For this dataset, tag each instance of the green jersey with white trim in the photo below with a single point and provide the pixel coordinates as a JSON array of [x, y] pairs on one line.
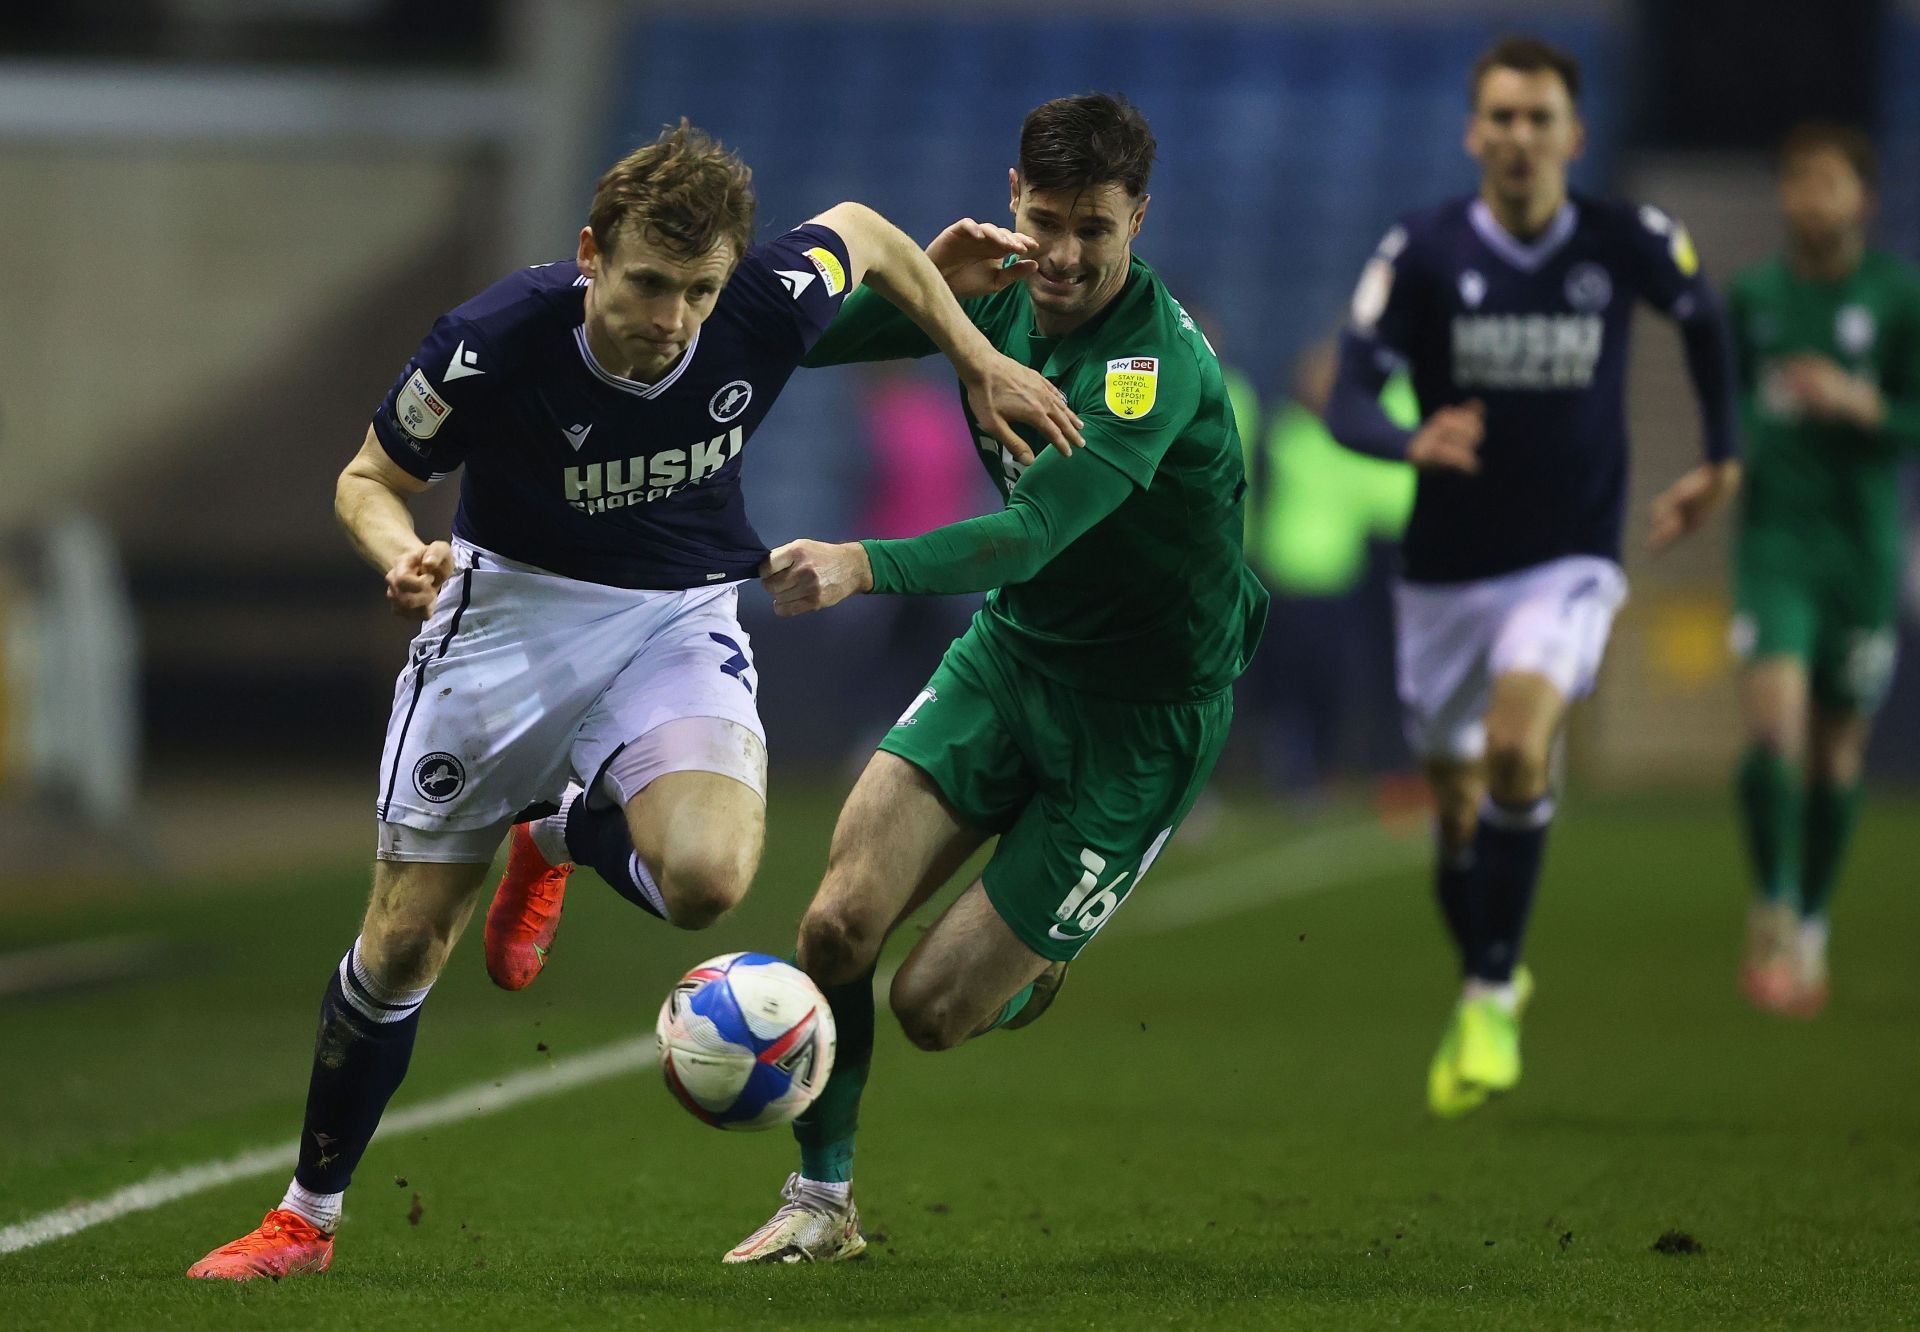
[[1824, 494], [1154, 602]]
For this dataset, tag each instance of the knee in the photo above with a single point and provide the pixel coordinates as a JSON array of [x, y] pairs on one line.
[[928, 1016], [837, 944], [1516, 768], [703, 885], [403, 948]]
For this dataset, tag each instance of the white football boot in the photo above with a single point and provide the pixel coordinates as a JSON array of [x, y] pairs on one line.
[[804, 1230]]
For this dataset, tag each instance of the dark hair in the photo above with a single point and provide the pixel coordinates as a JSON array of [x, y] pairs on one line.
[[1529, 55], [683, 191], [1818, 136], [1077, 142]]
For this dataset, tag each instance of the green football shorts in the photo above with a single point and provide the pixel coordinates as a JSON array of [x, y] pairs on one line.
[[1084, 791], [1827, 622]]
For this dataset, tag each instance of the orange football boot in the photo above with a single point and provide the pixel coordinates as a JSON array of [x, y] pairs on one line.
[[525, 914], [285, 1244]]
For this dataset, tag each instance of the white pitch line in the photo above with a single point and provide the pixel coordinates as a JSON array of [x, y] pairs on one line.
[[468, 1103], [1323, 859]]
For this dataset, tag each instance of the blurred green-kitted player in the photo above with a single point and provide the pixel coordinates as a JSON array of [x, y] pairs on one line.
[[1082, 713], [1829, 358]]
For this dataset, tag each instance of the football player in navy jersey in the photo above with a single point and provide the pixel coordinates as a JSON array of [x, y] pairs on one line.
[[1510, 308], [580, 644]]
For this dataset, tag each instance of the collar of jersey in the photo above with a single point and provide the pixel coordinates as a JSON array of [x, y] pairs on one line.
[[634, 386], [1527, 256], [1067, 351]]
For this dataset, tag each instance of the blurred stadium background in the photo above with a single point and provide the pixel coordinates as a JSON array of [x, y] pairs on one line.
[[229, 222]]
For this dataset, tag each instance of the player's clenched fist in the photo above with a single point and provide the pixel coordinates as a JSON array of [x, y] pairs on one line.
[[804, 576], [415, 578], [1450, 439]]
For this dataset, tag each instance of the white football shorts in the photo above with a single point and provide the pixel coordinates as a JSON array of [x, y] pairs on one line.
[[522, 680], [1453, 639]]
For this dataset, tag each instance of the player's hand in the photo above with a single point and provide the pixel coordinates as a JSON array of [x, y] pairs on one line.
[[1686, 504], [1449, 440], [970, 256], [1003, 393], [1827, 392], [415, 578], [807, 576]]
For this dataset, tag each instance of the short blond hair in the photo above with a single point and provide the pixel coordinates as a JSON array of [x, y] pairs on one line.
[[684, 192]]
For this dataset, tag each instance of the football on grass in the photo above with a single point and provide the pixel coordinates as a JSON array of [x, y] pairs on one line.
[[746, 1041]]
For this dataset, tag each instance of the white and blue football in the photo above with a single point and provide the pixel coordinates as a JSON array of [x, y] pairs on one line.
[[746, 1041]]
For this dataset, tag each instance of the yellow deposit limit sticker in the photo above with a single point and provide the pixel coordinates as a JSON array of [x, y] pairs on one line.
[[1132, 383]]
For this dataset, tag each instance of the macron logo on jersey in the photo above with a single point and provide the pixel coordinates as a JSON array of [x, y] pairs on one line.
[[795, 283], [464, 363]]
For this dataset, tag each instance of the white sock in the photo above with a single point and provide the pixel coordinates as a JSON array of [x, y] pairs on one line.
[[824, 1193], [550, 834], [1503, 993], [321, 1209]]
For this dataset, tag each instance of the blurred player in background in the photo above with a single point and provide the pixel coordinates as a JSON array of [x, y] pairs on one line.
[[581, 623], [1511, 309], [1080, 716], [1828, 334]]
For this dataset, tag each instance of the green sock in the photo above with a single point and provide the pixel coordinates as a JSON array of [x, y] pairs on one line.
[[1009, 1010], [1831, 812], [1771, 804], [825, 1132]]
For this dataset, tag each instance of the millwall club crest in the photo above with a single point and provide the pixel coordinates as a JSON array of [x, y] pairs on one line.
[[729, 400], [1854, 329], [439, 777], [1473, 289], [1588, 288]]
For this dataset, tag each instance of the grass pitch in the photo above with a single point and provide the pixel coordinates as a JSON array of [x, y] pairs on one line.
[[1219, 1124]]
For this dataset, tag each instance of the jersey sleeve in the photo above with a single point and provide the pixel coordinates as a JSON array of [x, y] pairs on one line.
[[438, 407], [1381, 313], [1666, 264], [1133, 409], [870, 328], [795, 283], [1055, 502]]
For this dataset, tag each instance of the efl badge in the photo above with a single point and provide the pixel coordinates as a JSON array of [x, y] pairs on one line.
[[830, 270], [1685, 257], [1132, 382], [418, 408]]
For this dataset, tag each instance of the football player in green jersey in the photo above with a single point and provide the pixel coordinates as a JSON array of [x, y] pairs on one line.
[[1080, 715], [1829, 358]]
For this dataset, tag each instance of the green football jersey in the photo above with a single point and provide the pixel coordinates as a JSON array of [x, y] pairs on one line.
[[1824, 493], [1155, 601]]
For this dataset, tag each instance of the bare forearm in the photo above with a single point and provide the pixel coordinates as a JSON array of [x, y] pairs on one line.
[[900, 271], [376, 520]]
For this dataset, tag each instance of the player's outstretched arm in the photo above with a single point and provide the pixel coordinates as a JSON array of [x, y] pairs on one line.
[[1056, 502], [1002, 393], [1448, 440], [370, 500]]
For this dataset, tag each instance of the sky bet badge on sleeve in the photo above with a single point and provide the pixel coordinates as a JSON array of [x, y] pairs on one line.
[[1132, 382], [828, 264], [419, 409]]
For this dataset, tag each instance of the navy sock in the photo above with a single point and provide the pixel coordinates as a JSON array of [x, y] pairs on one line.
[[599, 837], [1456, 880], [1509, 847], [360, 1057]]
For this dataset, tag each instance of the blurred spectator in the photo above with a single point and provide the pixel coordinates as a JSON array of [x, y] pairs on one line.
[[922, 472], [1320, 525]]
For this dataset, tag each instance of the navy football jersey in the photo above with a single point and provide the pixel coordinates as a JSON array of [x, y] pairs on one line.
[[1538, 332], [584, 473]]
